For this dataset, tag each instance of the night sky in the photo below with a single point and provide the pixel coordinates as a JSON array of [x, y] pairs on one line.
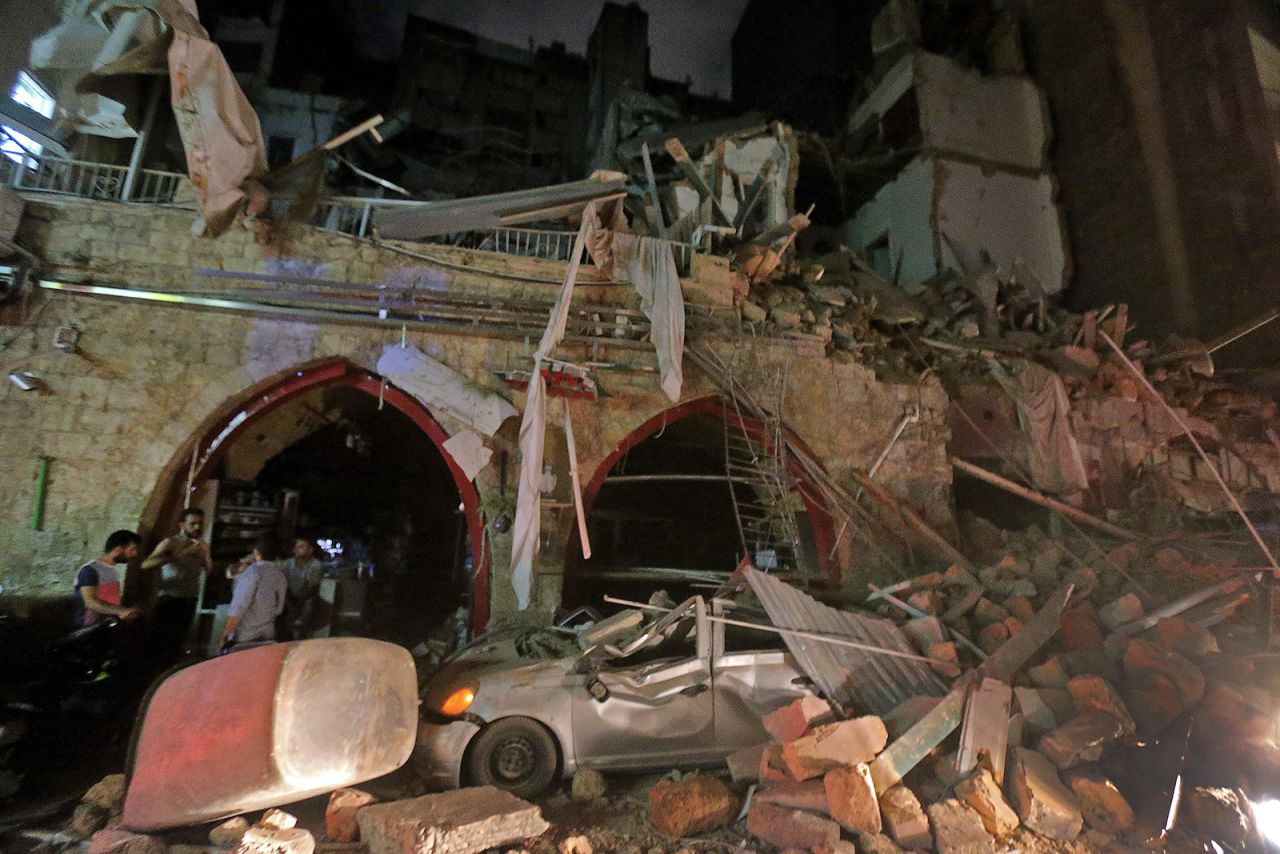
[[687, 39]]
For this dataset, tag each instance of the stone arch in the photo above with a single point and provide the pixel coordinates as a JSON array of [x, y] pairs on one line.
[[202, 451], [716, 406]]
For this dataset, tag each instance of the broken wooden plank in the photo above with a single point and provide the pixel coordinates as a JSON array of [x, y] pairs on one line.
[[686, 164], [984, 731], [1043, 500]]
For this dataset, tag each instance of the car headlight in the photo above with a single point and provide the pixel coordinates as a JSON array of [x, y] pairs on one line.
[[458, 702]]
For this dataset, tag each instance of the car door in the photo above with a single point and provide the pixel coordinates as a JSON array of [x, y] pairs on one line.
[[752, 674], [656, 708]]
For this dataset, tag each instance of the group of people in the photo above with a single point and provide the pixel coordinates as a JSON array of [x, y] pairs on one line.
[[271, 598]]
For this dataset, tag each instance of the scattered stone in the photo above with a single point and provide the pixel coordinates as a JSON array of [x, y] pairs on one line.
[[278, 820], [1020, 607], [457, 822], [117, 840], [340, 823], [1143, 657], [834, 745], [794, 719], [1035, 711], [1223, 815], [772, 768], [958, 829], [1236, 709], [744, 764], [791, 828], [841, 847], [1080, 629], [588, 784], [1101, 803], [1185, 637], [904, 818], [878, 843], [107, 793], [908, 713], [575, 845], [851, 798], [1038, 796], [1092, 661], [810, 795], [1094, 694], [982, 794], [1126, 609], [86, 820], [1080, 739], [992, 637], [230, 832], [751, 312], [1154, 701], [987, 612], [261, 839], [1050, 674], [944, 659], [695, 804], [924, 632]]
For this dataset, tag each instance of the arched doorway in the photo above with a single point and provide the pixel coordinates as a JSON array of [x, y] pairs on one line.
[[205, 456], [664, 499]]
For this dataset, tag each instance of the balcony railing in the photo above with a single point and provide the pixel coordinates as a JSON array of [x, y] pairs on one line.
[[83, 178]]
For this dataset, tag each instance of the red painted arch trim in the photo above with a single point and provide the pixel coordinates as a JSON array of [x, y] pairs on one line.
[[212, 445], [820, 519]]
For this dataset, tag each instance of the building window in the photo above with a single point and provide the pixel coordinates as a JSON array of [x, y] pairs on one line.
[[27, 92]]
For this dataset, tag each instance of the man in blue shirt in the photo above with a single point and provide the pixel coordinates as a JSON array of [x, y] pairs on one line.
[[257, 598]]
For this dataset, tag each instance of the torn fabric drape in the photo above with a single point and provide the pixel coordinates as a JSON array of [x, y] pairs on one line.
[[533, 425], [1044, 412], [443, 390], [650, 266]]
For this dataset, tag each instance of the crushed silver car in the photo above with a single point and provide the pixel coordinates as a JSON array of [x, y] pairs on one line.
[[516, 709]]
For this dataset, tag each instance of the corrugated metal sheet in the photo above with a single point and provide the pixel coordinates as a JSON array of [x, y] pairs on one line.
[[854, 679]]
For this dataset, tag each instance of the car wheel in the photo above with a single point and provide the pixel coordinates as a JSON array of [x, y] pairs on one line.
[[515, 754]]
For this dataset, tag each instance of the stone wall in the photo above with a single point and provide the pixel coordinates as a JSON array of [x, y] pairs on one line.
[[149, 378]]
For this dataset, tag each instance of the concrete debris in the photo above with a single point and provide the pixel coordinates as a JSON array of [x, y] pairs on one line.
[[810, 795], [1080, 739], [1223, 815], [1092, 693], [1101, 803], [744, 765], [693, 805], [229, 833], [904, 819], [851, 799], [86, 820], [575, 845], [277, 820], [835, 745], [107, 794], [958, 829], [262, 839], [792, 720], [1041, 801], [982, 793], [791, 828], [589, 784], [457, 822], [117, 840], [340, 824], [878, 843]]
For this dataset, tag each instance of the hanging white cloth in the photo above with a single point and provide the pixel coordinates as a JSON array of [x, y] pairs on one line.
[[647, 262], [443, 390]]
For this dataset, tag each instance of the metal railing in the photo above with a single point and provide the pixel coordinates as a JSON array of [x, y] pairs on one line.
[[88, 180]]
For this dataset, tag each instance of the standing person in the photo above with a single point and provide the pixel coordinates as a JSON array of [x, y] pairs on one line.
[[98, 584], [257, 598], [303, 571], [181, 560]]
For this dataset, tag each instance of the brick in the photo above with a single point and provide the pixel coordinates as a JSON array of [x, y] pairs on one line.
[[878, 843], [833, 745], [791, 828], [1050, 674], [340, 814], [924, 600], [1080, 629], [458, 822], [1020, 607], [1043, 803], [924, 632], [794, 719], [1143, 657], [851, 798], [1101, 803], [981, 793], [1037, 715], [1126, 609], [810, 795], [1095, 661], [1153, 700], [957, 829], [904, 819], [1185, 637], [945, 659], [693, 805], [992, 637], [772, 768], [1094, 694], [987, 612], [1080, 739], [744, 764]]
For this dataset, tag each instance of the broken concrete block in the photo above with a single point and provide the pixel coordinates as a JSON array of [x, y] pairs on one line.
[[908, 713], [1126, 609], [1020, 607], [982, 794], [1153, 700], [794, 719], [924, 632], [904, 818], [924, 600], [230, 832], [834, 745], [1095, 661], [957, 829], [261, 839], [107, 793], [340, 814], [86, 820], [1224, 815], [772, 768], [1037, 715], [810, 795], [1101, 803], [992, 637], [575, 845], [1185, 637], [1094, 694], [1038, 796], [588, 784], [987, 612], [1080, 629], [1080, 739], [841, 847], [944, 659], [1050, 674], [1144, 656], [744, 764], [458, 822], [878, 843], [277, 820], [1238, 710], [791, 828], [851, 798], [693, 805]]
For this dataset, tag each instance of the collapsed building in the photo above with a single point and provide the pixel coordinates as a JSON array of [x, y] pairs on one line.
[[877, 402]]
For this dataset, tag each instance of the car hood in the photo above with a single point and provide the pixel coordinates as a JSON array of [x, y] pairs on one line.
[[507, 660]]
